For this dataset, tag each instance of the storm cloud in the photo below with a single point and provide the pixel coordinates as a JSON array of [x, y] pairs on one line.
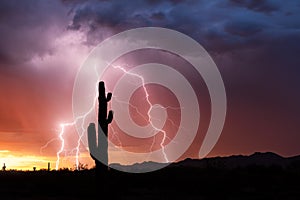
[[28, 29], [215, 24]]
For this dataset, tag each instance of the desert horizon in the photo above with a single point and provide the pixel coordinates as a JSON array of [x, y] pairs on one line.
[[85, 166]]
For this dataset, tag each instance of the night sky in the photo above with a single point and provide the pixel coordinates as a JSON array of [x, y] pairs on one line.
[[255, 45]]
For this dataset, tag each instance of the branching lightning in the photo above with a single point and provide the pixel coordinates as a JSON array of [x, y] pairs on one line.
[[62, 140], [115, 135], [149, 110], [77, 148], [47, 144], [61, 133]]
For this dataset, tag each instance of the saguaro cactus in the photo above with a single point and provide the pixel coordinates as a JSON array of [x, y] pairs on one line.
[[103, 118], [99, 149]]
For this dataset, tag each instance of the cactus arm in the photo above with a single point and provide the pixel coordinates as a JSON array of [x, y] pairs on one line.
[[92, 139], [108, 97], [110, 117]]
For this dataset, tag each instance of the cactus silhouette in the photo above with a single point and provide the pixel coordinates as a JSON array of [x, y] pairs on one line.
[[4, 167], [99, 149]]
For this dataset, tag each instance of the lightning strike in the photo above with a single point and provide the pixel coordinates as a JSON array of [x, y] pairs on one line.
[[148, 113], [62, 140], [62, 131], [47, 144], [115, 135]]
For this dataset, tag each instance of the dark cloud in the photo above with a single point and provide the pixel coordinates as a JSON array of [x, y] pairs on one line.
[[28, 28], [114, 16], [243, 29], [160, 1], [219, 26], [266, 6], [158, 16]]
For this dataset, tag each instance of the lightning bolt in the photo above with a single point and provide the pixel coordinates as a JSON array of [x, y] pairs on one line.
[[115, 135], [47, 144], [148, 113], [81, 133], [81, 118], [62, 140], [61, 133]]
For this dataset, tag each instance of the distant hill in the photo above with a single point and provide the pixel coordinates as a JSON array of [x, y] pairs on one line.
[[265, 159]]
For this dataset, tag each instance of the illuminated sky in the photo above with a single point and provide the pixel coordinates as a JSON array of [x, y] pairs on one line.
[[255, 45]]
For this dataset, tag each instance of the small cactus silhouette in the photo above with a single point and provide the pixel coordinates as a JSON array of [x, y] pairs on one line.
[[4, 167], [100, 148]]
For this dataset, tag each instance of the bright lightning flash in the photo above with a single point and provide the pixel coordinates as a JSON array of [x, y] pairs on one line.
[[81, 118], [148, 113], [62, 131]]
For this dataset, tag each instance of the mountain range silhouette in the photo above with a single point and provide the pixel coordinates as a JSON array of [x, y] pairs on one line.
[[263, 159]]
